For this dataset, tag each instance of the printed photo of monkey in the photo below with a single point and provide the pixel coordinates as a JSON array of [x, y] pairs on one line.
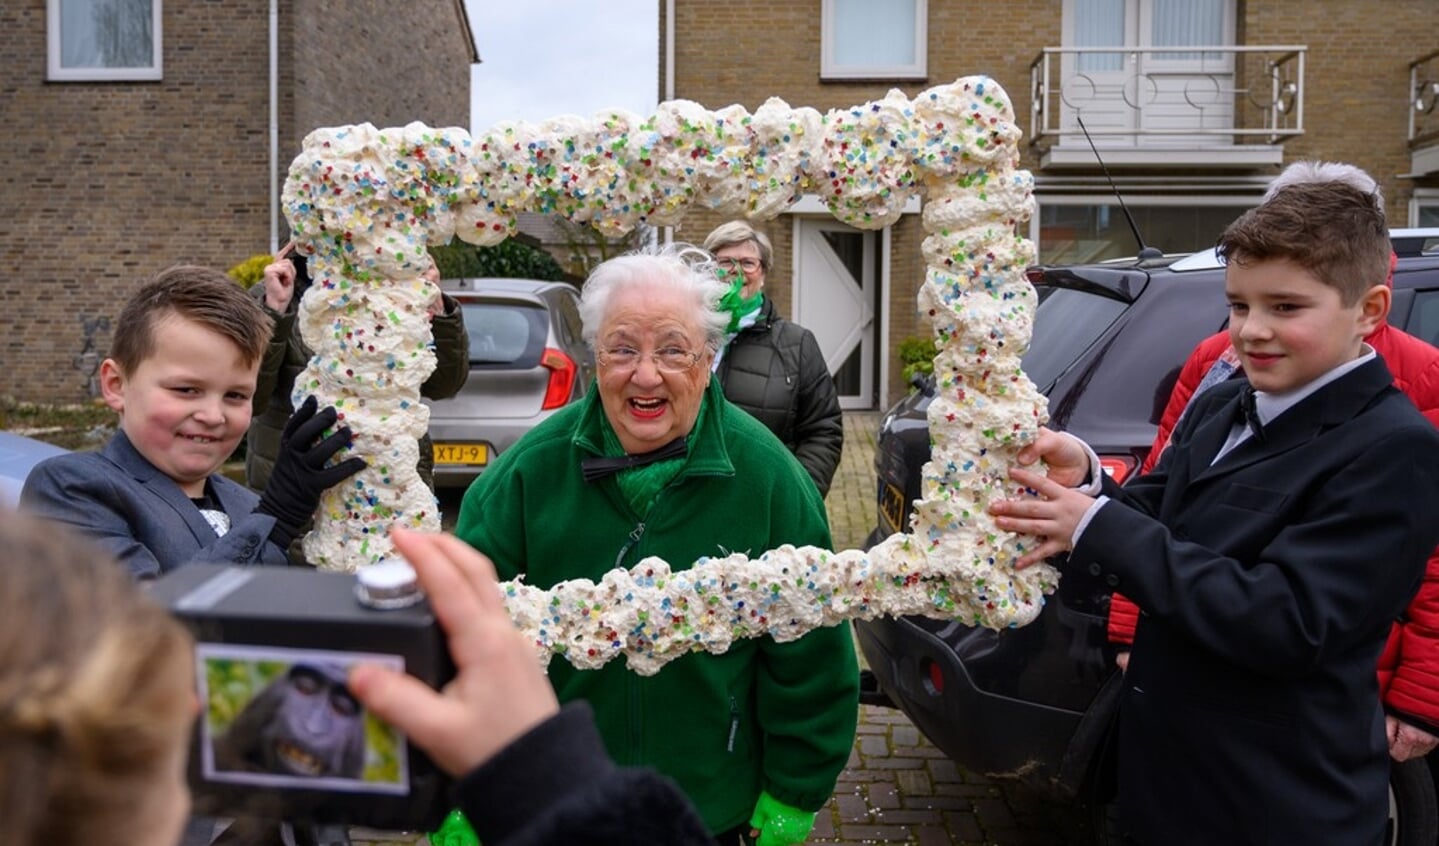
[[281, 717]]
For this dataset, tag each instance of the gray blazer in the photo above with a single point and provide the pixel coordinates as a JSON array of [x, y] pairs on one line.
[[139, 515]]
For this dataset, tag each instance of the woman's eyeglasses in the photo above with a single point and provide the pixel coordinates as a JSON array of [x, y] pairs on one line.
[[748, 265], [666, 359]]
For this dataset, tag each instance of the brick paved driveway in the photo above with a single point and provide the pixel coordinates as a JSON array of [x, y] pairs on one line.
[[897, 787]]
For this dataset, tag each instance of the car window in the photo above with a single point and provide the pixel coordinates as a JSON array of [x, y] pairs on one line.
[[1066, 322], [570, 317], [505, 333], [1424, 318]]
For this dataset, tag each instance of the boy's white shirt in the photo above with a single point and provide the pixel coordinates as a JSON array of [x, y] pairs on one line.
[[1268, 406]]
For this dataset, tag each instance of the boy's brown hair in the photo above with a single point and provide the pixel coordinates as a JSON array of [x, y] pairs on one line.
[[200, 295], [96, 689], [1331, 229]]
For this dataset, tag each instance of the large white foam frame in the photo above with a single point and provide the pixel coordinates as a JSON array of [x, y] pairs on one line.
[[364, 203]]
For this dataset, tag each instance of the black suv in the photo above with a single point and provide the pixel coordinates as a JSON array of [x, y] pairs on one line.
[[1037, 703]]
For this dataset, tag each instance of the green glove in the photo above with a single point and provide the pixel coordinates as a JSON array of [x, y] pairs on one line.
[[455, 831], [778, 824]]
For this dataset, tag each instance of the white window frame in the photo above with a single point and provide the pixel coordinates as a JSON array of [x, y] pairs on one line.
[[1240, 199], [1423, 197], [55, 72], [830, 69]]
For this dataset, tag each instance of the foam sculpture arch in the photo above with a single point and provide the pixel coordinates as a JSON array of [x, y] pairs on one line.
[[364, 202]]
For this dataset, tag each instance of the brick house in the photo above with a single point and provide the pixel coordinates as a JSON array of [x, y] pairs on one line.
[[139, 134], [1191, 137]]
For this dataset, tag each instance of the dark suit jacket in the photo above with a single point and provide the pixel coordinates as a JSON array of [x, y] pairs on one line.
[[141, 516], [1268, 583]]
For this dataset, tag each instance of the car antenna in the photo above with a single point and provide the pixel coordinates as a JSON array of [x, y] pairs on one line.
[[1145, 252]]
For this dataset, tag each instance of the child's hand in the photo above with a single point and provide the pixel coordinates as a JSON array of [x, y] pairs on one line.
[[1406, 741], [280, 280], [1052, 517], [1064, 454], [303, 471], [499, 691]]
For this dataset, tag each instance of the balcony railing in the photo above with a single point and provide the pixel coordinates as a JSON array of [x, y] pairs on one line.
[[1168, 96], [1423, 94]]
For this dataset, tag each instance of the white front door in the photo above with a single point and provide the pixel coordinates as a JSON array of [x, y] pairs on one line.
[[836, 298]]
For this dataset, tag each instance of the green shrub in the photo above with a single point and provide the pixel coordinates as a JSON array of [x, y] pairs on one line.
[[917, 356], [510, 259], [251, 270]]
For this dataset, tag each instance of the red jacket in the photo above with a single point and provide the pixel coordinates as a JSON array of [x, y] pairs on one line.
[[1409, 665]]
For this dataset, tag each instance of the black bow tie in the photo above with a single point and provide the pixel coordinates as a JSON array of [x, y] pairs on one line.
[[596, 467], [1250, 411]]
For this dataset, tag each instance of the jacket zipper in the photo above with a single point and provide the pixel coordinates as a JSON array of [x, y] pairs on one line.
[[733, 723], [635, 534]]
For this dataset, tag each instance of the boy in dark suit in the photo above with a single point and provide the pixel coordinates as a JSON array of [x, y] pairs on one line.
[[181, 375], [1270, 549]]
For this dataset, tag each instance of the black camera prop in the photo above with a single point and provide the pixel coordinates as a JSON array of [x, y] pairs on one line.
[[280, 736]]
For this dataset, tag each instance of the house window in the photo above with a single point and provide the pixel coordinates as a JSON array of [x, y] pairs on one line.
[[1127, 25], [1078, 230], [1424, 208], [104, 40], [1099, 23], [874, 39], [1185, 23]]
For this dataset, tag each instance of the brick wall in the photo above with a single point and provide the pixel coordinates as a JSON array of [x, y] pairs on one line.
[[106, 183], [1355, 81], [381, 62], [744, 51]]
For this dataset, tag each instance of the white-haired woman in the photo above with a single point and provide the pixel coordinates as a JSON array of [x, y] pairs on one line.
[[657, 463]]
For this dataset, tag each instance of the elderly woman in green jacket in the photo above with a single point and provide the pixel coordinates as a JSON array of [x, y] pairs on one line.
[[657, 462]]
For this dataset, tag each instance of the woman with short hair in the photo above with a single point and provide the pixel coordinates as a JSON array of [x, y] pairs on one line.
[[771, 367], [657, 462]]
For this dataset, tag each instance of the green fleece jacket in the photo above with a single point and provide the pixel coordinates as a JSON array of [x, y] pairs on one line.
[[763, 716]]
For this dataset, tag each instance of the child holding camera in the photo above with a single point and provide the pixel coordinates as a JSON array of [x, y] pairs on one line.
[[97, 701]]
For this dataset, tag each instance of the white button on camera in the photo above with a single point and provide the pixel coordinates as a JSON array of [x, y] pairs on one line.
[[387, 586]]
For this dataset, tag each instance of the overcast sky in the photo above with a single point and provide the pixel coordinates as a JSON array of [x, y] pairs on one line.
[[543, 58]]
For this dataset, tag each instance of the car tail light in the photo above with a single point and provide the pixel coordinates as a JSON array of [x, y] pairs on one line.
[[562, 377], [1118, 467], [936, 676]]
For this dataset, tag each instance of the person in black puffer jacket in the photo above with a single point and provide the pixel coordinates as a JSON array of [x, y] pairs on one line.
[[772, 367]]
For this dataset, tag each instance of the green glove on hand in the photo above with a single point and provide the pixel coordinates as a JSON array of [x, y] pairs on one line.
[[778, 824], [455, 831]]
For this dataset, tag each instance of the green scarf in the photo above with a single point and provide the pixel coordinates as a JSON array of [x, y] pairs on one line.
[[735, 304], [640, 485]]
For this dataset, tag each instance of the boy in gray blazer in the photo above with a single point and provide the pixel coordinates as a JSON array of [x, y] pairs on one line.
[[1269, 551], [181, 375]]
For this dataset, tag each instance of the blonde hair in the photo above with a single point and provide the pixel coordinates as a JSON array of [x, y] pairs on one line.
[[93, 677]]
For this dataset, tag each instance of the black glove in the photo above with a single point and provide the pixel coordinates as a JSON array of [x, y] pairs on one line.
[[300, 474]]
